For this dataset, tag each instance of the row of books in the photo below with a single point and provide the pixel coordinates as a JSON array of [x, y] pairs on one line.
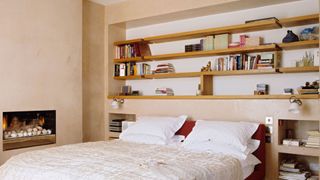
[[313, 139], [127, 51], [292, 169], [244, 62], [131, 69]]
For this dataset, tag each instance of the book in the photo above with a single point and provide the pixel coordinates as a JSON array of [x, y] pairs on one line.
[[221, 41], [291, 142]]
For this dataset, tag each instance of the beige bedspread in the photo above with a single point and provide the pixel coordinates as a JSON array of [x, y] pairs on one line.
[[119, 160]]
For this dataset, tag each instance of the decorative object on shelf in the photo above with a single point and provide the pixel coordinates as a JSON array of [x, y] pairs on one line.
[[207, 44], [234, 45], [199, 93], [206, 68], [126, 91], [262, 89], [116, 103], [164, 68], [312, 88], [288, 91], [135, 93], [193, 47], [291, 142], [243, 40], [310, 33], [307, 60], [221, 41], [164, 92], [289, 133], [313, 140], [290, 37], [253, 41], [295, 104]]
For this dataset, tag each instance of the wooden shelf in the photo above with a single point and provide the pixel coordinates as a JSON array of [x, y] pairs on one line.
[[262, 48], [114, 134], [241, 28], [300, 20], [198, 74], [299, 150], [131, 41], [134, 59], [224, 97], [127, 77], [173, 75], [299, 45], [299, 69]]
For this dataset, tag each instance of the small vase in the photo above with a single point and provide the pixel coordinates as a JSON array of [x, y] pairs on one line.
[[290, 37]]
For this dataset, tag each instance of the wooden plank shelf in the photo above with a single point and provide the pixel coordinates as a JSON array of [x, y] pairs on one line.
[[299, 45], [299, 150], [217, 97], [240, 28], [299, 69], [133, 59], [300, 20], [131, 41], [127, 77], [198, 74], [262, 48]]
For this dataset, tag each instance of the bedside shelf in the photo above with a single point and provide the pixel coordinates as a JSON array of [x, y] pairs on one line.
[[299, 69], [299, 150], [299, 45]]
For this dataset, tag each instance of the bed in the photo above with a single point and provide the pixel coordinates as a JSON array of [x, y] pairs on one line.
[[125, 160]]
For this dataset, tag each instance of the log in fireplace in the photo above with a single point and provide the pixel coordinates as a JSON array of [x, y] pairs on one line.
[[28, 128]]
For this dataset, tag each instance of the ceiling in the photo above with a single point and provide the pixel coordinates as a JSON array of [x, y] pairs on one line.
[[106, 2]]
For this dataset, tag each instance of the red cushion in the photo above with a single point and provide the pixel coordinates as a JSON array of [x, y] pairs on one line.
[[259, 170]]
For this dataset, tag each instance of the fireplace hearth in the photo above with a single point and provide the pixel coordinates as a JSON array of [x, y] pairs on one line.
[[28, 128]]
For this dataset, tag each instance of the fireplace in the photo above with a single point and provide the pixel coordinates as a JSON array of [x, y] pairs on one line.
[[28, 128]]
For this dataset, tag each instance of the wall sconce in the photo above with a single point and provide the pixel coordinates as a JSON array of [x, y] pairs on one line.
[[116, 103], [295, 104]]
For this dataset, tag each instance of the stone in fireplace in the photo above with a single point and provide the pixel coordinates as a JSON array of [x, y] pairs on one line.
[[28, 128]]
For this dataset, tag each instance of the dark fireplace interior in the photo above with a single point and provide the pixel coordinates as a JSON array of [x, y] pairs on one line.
[[28, 128]]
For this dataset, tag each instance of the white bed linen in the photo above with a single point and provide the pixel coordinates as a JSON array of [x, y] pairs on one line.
[[119, 160]]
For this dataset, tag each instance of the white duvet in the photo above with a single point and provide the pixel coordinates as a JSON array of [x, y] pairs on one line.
[[119, 160]]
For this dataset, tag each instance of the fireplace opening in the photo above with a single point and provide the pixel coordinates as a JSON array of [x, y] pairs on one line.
[[28, 128]]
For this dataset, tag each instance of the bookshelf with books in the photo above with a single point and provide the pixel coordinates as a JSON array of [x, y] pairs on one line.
[[230, 58], [298, 144]]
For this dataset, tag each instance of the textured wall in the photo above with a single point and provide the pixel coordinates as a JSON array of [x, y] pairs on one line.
[[93, 71], [41, 63]]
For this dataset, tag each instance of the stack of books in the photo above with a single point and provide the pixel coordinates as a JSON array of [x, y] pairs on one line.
[[127, 51], [313, 139], [266, 61], [291, 169], [164, 68], [131, 69], [164, 92], [193, 47]]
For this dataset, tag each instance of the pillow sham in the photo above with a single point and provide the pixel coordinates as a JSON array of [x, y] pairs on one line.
[[211, 147], [158, 126], [236, 134]]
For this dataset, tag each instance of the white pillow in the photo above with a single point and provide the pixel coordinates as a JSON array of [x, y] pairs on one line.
[[236, 134], [211, 147], [161, 127]]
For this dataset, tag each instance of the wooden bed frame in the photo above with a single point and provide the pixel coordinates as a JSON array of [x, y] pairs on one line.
[[259, 170]]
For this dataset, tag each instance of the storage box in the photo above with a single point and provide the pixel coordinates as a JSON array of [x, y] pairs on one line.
[[253, 41], [222, 41]]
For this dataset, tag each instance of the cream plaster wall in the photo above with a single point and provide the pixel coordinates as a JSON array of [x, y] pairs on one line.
[[41, 63], [93, 71]]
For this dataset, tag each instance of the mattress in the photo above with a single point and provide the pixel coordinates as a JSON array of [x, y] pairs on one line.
[[119, 160]]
